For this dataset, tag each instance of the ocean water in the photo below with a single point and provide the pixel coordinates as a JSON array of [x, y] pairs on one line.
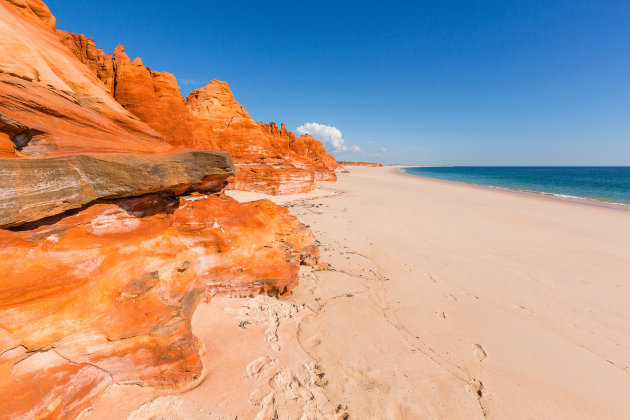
[[607, 184]]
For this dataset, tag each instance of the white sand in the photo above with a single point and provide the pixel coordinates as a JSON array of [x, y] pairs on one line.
[[254, 368], [452, 301], [443, 301]]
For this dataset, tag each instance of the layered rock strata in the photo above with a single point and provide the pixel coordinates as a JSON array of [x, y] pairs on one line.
[[62, 107], [32, 189], [261, 166]]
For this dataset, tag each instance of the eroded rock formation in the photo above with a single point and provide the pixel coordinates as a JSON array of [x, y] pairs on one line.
[[103, 292], [106, 295], [44, 88], [303, 152], [101, 64], [268, 160], [260, 165]]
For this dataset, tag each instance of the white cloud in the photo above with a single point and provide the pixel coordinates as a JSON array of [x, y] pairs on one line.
[[383, 149], [328, 135]]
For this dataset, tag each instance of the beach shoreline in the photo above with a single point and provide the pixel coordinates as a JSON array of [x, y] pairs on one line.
[[446, 300], [442, 300], [553, 196]]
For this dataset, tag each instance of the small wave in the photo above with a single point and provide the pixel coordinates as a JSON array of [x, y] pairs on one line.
[[573, 197], [568, 197]]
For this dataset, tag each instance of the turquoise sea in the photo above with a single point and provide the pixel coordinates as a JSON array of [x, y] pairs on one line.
[[607, 184]]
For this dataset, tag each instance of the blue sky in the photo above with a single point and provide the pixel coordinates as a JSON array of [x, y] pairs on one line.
[[438, 82]]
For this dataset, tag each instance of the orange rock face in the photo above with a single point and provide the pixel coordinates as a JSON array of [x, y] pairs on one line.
[[34, 10], [230, 124], [303, 152], [262, 166], [107, 295], [270, 160], [155, 98], [7, 147], [101, 64], [46, 88], [104, 292], [273, 179]]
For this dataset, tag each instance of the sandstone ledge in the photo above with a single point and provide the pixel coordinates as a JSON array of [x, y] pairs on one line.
[[32, 189]]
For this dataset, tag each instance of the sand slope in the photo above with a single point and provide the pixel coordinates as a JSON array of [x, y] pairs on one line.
[[443, 301], [451, 301], [254, 368]]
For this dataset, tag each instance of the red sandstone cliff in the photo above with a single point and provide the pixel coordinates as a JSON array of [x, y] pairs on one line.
[[260, 166], [268, 160], [56, 100], [303, 152], [105, 260]]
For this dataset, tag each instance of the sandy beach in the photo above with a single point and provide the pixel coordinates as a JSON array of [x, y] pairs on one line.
[[451, 301], [199, 219], [443, 300]]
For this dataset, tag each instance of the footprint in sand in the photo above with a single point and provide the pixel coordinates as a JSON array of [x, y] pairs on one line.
[[257, 366], [301, 385], [475, 386], [440, 315], [314, 341], [479, 352], [450, 297]]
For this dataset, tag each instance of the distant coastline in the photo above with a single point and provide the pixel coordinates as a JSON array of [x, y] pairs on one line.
[[444, 173]]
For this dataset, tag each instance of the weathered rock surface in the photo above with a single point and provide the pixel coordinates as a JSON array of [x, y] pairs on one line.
[[45, 88], [101, 64], [155, 98], [270, 160], [106, 295], [262, 166], [273, 179], [7, 147], [32, 189], [102, 291], [231, 125], [34, 10], [303, 152]]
